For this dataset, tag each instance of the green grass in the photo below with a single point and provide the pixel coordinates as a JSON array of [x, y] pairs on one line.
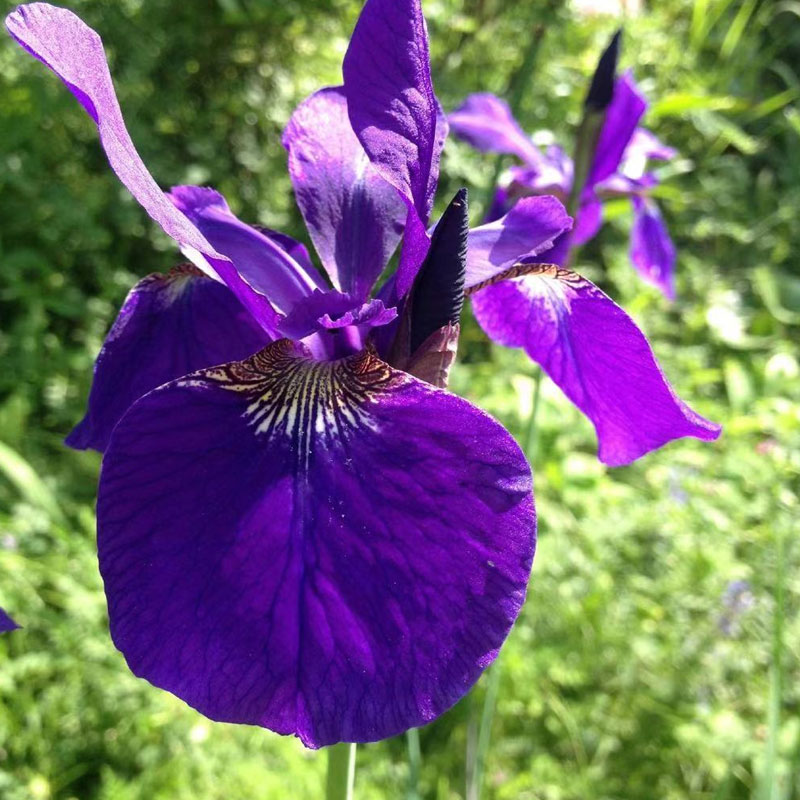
[[618, 682]]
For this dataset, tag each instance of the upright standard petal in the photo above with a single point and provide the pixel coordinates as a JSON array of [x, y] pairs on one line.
[[263, 261], [354, 216], [486, 122], [168, 326], [6, 623], [74, 52], [390, 98], [596, 354], [527, 230], [395, 114], [621, 120], [334, 550], [652, 251]]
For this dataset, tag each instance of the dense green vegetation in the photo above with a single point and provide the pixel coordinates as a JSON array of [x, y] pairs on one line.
[[628, 675]]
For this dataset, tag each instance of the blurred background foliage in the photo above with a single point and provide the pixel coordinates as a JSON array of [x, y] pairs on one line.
[[657, 655]]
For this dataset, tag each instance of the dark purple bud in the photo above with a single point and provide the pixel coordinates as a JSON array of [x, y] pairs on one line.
[[439, 289], [602, 88]]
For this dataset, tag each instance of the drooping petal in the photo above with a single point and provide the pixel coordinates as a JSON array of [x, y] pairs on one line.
[[331, 310], [354, 216], [622, 118], [589, 219], [6, 623], [74, 52], [486, 122], [334, 550], [169, 325], [527, 230], [263, 262], [652, 251], [596, 354]]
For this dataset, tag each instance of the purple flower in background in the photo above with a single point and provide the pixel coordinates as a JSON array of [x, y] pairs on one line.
[[6, 623], [619, 169], [292, 531], [737, 601]]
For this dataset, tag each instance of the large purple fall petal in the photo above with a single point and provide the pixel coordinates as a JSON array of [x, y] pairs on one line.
[[354, 216], [74, 52], [621, 120], [6, 623], [334, 550], [527, 230], [486, 122], [263, 262], [652, 251], [169, 325], [596, 354]]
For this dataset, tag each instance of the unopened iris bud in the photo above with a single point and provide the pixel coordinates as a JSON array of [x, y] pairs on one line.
[[438, 295], [601, 90]]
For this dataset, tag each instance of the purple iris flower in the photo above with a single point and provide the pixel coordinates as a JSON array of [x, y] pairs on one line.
[[292, 531], [619, 169], [6, 623], [297, 526]]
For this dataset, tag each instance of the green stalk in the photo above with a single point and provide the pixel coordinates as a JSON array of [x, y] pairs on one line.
[[341, 771], [414, 761], [770, 788], [531, 434]]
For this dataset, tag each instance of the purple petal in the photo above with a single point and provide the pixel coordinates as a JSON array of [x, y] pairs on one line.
[[652, 251], [622, 118], [354, 216], [589, 219], [332, 310], [646, 144], [593, 350], [529, 229], [335, 550], [486, 122], [6, 623], [74, 52], [169, 325], [297, 250], [262, 262], [393, 110]]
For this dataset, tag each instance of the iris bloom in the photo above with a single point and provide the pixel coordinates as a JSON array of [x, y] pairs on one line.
[[292, 531], [295, 531], [619, 169]]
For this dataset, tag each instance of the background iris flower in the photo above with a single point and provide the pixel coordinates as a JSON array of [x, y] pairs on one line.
[[292, 531], [6, 623], [619, 169]]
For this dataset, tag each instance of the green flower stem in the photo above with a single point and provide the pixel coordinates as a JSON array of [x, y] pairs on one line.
[[771, 788], [341, 771], [414, 760]]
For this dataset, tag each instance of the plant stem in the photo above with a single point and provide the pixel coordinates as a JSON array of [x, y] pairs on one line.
[[770, 789], [531, 434], [341, 771], [485, 726], [414, 759]]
